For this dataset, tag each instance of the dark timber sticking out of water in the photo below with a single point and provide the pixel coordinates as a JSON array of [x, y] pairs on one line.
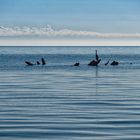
[[107, 63], [38, 63], [76, 64], [29, 63], [114, 63], [43, 61], [95, 62]]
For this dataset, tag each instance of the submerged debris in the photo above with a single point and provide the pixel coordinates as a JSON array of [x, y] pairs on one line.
[[38, 63], [76, 64], [114, 63], [29, 63], [43, 61], [107, 63], [95, 62]]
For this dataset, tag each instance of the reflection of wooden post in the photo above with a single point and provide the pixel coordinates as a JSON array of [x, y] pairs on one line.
[[96, 79]]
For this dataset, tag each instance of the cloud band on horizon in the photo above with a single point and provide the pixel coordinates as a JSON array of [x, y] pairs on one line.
[[48, 31]]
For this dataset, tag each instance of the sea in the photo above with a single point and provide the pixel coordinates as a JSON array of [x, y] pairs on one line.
[[59, 101]]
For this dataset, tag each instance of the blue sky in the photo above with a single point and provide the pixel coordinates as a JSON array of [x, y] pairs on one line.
[[97, 15], [104, 16]]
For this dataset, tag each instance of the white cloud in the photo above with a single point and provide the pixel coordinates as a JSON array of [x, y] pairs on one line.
[[48, 31]]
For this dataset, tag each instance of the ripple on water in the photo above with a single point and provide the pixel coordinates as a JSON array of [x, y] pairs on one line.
[[70, 103]]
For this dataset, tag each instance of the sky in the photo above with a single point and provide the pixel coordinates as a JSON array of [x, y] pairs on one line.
[[70, 22]]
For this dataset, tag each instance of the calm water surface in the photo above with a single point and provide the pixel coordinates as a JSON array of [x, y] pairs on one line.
[[59, 101]]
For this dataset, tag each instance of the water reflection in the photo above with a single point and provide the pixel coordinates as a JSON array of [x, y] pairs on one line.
[[96, 80]]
